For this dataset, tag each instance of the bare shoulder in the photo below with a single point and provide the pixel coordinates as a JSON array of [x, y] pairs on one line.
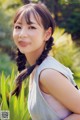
[[51, 76], [47, 76], [61, 88]]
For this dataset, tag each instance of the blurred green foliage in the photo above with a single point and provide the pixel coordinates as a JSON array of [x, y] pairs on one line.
[[16, 106], [66, 51], [6, 64], [67, 15], [7, 11]]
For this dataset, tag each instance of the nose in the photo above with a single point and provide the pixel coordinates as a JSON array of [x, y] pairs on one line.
[[23, 33]]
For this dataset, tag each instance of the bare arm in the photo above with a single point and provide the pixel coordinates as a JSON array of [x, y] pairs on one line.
[[61, 88], [73, 117]]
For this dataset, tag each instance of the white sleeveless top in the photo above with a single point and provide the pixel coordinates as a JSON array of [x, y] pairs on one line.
[[38, 103]]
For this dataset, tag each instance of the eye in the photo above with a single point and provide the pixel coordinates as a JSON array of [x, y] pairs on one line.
[[17, 27], [32, 27]]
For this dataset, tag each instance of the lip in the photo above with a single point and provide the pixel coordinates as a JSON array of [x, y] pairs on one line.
[[23, 44]]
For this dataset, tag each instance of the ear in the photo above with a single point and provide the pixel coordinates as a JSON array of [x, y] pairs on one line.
[[48, 33]]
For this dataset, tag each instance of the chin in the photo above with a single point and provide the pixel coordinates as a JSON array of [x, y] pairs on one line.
[[22, 51], [25, 50]]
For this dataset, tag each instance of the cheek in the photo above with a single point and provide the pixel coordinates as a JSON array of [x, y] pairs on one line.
[[15, 35], [39, 41], [15, 38]]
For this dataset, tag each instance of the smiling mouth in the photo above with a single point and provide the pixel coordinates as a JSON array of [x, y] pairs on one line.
[[23, 44]]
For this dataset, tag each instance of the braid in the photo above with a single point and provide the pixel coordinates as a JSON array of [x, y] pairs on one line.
[[44, 54], [26, 72], [21, 61], [21, 64]]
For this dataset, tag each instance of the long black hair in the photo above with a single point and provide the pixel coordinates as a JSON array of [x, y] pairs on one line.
[[39, 10]]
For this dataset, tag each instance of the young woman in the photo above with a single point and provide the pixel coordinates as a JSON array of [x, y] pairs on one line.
[[52, 91]]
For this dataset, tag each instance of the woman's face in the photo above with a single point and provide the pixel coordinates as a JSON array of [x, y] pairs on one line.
[[29, 37]]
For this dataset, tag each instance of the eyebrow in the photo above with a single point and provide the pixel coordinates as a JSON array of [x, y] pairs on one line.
[[18, 23], [32, 22], [27, 23]]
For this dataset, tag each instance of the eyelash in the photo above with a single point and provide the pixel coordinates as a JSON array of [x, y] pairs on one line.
[[17, 27], [32, 27]]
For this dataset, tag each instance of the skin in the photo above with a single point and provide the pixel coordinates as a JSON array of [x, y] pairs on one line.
[[73, 117], [35, 37]]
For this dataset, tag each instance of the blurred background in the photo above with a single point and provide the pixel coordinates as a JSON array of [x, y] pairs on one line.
[[66, 36]]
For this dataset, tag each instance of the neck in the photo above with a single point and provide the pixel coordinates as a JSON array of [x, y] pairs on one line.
[[33, 56]]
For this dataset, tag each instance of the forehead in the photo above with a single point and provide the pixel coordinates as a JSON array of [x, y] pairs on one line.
[[29, 18]]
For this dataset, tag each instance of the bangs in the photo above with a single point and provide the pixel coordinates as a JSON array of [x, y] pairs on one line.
[[27, 15], [40, 13]]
